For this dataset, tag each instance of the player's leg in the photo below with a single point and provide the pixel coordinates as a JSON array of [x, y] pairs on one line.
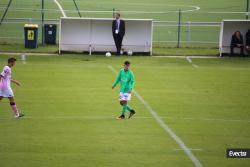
[[14, 107], [125, 107], [124, 98], [1, 94], [131, 110], [122, 116]]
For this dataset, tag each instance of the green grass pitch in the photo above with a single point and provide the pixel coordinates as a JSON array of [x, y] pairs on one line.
[[70, 113]]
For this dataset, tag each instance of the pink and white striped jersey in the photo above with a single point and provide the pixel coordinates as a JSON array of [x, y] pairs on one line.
[[6, 78]]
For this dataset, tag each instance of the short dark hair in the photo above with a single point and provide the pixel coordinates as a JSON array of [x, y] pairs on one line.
[[11, 60], [119, 14], [237, 32], [127, 63]]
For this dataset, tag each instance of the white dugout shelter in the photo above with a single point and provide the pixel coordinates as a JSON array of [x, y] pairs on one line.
[[228, 27], [95, 35]]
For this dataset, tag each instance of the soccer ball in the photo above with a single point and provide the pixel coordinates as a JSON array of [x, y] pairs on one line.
[[108, 54], [130, 53]]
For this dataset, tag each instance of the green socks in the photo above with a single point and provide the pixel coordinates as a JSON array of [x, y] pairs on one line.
[[124, 108], [128, 108]]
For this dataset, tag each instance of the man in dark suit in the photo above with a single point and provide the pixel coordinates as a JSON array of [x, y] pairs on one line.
[[237, 42], [118, 30], [248, 42]]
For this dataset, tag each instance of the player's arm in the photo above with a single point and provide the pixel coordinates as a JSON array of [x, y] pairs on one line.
[[132, 82], [2, 74], [15, 82], [118, 78]]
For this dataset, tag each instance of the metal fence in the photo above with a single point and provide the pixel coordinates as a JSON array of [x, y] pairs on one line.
[[191, 34]]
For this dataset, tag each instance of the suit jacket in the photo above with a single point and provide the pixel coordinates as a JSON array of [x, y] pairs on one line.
[[236, 41], [248, 38], [121, 28]]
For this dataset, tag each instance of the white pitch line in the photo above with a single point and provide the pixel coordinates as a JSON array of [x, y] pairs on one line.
[[194, 8], [60, 7], [167, 129], [195, 66], [100, 11], [189, 59]]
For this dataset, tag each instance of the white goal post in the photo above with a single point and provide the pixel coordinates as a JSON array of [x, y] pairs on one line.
[[95, 35], [228, 27]]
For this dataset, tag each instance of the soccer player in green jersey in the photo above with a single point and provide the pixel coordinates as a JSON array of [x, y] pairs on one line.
[[127, 82]]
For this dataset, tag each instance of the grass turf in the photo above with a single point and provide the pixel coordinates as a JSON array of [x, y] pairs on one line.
[[157, 51], [70, 110]]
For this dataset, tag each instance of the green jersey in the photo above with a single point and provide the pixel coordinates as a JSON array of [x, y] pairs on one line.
[[126, 78]]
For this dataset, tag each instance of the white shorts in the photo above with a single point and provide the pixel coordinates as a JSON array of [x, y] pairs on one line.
[[6, 92], [125, 96]]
